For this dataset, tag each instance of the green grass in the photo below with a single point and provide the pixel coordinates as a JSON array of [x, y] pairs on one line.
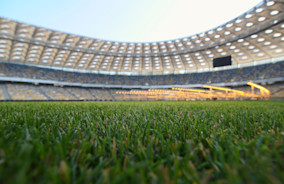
[[142, 142]]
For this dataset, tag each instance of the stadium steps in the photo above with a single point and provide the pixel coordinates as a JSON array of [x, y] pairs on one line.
[[44, 94], [110, 94], [93, 94], [71, 93], [7, 95], [278, 92]]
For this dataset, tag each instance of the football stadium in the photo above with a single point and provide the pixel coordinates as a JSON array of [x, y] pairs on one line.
[[206, 108]]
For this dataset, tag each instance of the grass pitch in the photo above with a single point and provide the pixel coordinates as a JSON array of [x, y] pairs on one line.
[[142, 142]]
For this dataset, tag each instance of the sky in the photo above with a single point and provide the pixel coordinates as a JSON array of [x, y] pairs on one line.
[[126, 20]]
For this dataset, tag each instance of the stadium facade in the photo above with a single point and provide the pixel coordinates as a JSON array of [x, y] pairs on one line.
[[43, 64]]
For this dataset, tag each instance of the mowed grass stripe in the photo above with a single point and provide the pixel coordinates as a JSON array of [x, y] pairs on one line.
[[142, 142]]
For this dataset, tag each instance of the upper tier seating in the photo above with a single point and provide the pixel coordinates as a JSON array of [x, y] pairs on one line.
[[266, 71]]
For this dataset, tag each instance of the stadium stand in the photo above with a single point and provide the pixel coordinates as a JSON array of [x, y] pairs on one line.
[[27, 92], [259, 72]]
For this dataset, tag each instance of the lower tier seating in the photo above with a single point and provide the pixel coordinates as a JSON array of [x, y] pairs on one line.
[[27, 92]]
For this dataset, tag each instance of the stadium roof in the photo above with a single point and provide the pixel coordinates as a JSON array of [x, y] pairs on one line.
[[126, 20], [253, 37]]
